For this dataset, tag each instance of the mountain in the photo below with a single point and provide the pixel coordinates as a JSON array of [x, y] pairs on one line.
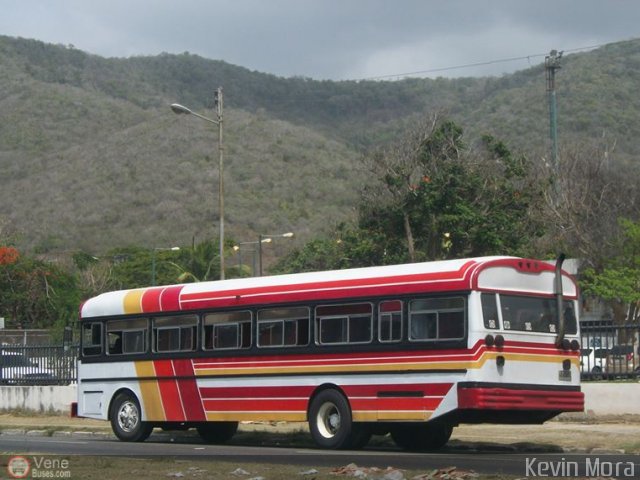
[[92, 157]]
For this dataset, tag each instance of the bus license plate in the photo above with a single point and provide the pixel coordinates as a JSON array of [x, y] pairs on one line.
[[564, 375]]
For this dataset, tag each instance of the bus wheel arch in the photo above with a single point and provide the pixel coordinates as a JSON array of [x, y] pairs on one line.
[[125, 415]]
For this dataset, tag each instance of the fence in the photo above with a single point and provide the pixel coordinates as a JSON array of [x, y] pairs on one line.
[[610, 351], [38, 365]]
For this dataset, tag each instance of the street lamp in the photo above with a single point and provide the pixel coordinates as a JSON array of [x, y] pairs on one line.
[[153, 261], [180, 109], [238, 248], [260, 241]]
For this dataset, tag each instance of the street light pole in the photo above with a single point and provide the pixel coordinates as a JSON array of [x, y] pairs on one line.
[[218, 101], [269, 237]]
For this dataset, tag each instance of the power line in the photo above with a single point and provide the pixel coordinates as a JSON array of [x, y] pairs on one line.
[[475, 64]]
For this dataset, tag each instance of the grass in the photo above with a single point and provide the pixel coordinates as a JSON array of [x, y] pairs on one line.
[[105, 468]]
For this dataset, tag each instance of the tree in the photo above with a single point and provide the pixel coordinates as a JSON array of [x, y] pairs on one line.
[[434, 197], [36, 294], [451, 200], [594, 192], [619, 279]]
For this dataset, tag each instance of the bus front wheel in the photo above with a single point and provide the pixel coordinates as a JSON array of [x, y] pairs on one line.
[[330, 420], [126, 419]]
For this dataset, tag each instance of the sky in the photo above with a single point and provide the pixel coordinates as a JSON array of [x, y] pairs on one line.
[[332, 39]]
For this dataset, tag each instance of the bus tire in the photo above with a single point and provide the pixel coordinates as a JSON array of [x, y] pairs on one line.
[[330, 420], [126, 419], [422, 437], [217, 432]]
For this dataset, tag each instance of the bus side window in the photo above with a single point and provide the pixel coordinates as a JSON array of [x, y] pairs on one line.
[[127, 336], [175, 334], [350, 323], [489, 310], [91, 339], [283, 327], [227, 330], [433, 319], [390, 321]]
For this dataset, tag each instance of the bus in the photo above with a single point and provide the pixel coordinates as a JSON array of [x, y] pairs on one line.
[[407, 350]]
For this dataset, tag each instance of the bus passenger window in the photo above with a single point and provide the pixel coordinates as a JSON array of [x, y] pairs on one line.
[[344, 323], [390, 321], [283, 327], [127, 336], [175, 334], [91, 339], [489, 310], [437, 319], [227, 330]]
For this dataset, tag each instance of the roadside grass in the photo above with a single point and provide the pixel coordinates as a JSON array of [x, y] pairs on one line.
[[106, 468]]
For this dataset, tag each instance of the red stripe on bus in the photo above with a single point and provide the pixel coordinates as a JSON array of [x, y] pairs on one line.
[[456, 275], [169, 391], [437, 281], [257, 405], [396, 390], [170, 298], [211, 393], [395, 404], [189, 391], [241, 298], [151, 300]]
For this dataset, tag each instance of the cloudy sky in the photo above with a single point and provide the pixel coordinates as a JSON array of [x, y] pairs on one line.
[[331, 39]]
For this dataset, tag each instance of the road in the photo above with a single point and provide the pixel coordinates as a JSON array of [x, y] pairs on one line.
[[479, 461]]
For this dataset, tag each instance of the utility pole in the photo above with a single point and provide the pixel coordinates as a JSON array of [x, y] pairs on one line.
[[219, 104], [551, 64]]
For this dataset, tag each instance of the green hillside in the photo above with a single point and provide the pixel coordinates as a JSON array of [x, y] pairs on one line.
[[92, 157]]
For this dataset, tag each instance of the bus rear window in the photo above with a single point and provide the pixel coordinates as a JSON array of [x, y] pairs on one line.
[[535, 314]]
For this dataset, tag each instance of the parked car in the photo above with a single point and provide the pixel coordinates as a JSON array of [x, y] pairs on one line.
[[621, 361], [593, 362], [17, 369]]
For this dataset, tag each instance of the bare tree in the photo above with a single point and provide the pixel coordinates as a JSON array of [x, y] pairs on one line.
[[593, 193], [399, 165]]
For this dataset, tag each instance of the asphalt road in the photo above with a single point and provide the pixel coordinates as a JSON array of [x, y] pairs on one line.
[[520, 464]]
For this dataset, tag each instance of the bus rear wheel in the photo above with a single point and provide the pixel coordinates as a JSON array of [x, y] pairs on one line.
[[422, 437], [217, 432], [126, 419], [330, 420]]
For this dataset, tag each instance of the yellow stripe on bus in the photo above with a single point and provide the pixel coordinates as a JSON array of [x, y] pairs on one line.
[[400, 367], [257, 416], [150, 391], [401, 416], [133, 301]]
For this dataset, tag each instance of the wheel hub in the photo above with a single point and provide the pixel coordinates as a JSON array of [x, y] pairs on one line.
[[128, 417]]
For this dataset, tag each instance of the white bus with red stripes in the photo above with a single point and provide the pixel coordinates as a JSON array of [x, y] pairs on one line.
[[411, 350]]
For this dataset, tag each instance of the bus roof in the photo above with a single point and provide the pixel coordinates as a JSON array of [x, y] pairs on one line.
[[485, 273]]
